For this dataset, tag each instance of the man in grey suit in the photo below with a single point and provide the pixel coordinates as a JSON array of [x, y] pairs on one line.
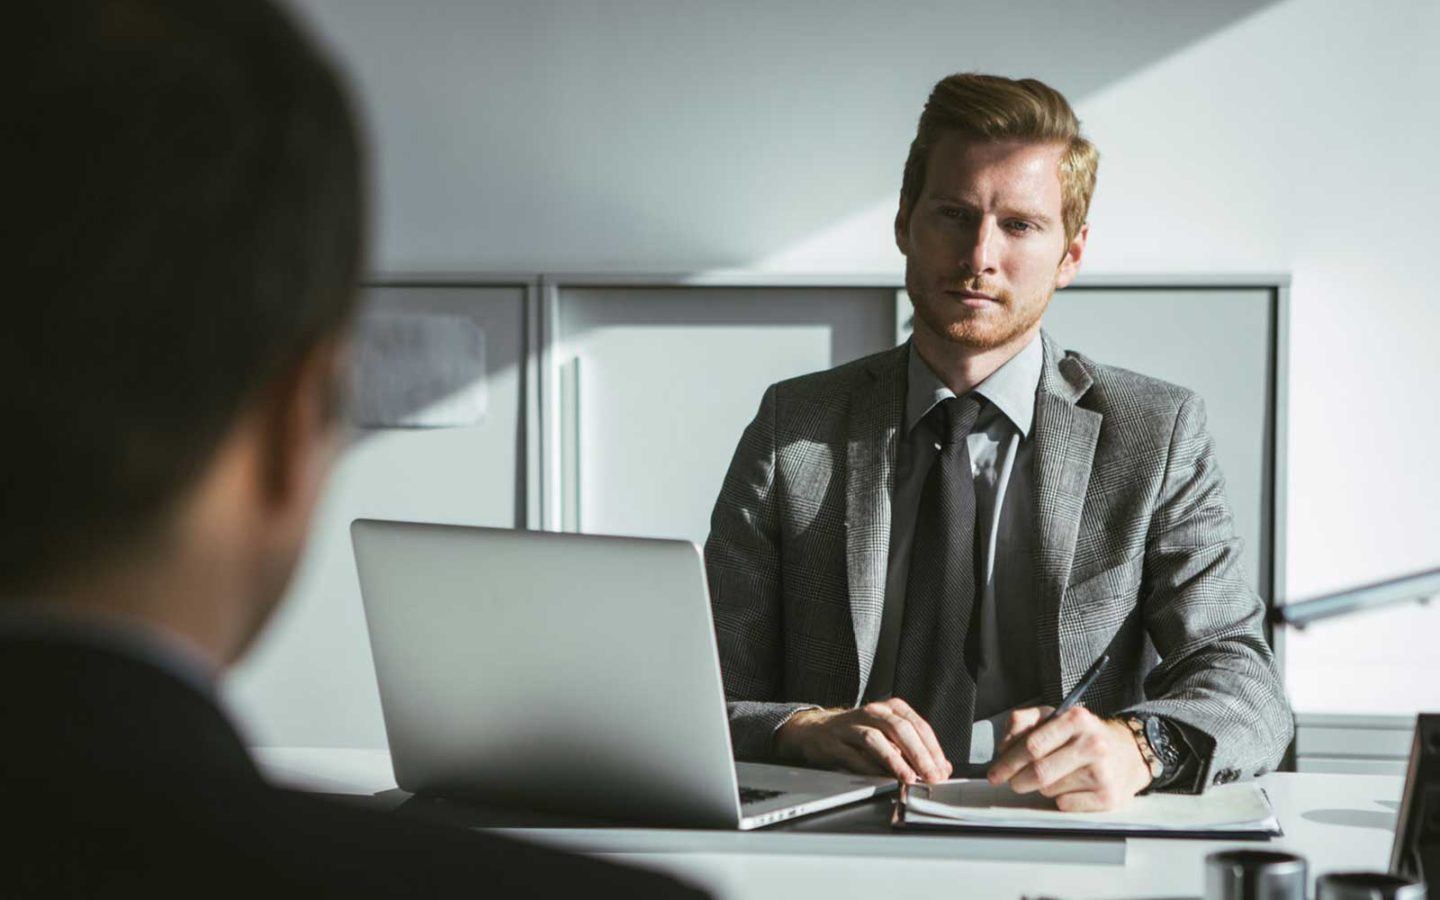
[[914, 556]]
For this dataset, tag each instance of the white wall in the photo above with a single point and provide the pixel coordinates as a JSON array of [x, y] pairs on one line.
[[1294, 136], [538, 135]]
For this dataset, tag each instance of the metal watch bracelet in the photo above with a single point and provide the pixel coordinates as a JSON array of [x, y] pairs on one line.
[[1152, 759]]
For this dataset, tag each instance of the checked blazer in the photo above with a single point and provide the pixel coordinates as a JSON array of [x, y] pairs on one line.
[[1136, 552]]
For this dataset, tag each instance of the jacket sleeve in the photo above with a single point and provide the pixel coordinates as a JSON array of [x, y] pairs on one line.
[[742, 559], [1217, 675]]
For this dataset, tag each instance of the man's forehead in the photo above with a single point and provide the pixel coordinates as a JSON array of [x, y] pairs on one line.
[[959, 165]]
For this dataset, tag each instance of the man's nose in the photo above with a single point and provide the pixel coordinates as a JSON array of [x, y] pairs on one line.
[[979, 257]]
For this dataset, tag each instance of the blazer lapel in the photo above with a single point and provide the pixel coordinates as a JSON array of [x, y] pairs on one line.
[[1065, 438], [876, 409]]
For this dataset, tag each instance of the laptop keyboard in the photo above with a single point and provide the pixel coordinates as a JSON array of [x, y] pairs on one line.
[[755, 795]]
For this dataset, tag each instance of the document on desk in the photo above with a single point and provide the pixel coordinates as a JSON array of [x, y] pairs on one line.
[[1232, 811]]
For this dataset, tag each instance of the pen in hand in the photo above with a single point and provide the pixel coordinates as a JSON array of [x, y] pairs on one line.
[[1078, 691], [1011, 762]]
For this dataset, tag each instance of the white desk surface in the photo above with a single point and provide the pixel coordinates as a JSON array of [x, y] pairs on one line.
[[1338, 822]]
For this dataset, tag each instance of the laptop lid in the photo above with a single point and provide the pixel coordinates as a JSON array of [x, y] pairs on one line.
[[555, 671]]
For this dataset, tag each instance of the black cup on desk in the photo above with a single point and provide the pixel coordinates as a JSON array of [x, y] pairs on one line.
[[1255, 875], [1367, 886]]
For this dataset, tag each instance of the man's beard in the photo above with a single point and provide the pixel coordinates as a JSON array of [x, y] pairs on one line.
[[977, 332]]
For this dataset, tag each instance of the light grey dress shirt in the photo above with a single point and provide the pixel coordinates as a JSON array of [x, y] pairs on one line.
[[1000, 451]]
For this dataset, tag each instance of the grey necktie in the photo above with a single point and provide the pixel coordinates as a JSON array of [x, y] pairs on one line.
[[934, 667]]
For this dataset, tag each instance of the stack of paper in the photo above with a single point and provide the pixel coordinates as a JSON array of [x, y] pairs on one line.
[[1234, 810]]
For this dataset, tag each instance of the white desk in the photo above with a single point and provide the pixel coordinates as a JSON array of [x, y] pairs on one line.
[[1337, 821]]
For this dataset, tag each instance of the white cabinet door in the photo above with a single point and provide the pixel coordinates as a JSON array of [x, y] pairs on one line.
[[668, 378]]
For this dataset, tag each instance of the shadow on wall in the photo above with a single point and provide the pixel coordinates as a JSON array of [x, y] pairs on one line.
[[650, 134]]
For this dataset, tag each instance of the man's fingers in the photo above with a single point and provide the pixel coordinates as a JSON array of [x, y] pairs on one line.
[[1038, 743], [1021, 721], [877, 747], [1054, 767], [903, 734], [927, 735], [1080, 780], [1080, 760]]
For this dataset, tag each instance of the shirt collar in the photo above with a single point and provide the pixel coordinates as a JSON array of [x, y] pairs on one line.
[[1010, 388]]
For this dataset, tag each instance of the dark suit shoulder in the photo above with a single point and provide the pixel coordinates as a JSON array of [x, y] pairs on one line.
[[131, 782], [92, 836], [81, 705], [391, 854], [816, 407]]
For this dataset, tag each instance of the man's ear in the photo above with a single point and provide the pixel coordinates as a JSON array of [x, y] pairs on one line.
[[902, 228], [302, 409], [1070, 262]]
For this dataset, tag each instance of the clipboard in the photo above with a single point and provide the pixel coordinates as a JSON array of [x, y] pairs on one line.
[[905, 817]]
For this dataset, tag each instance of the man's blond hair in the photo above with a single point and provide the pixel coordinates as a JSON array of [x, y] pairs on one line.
[[990, 108]]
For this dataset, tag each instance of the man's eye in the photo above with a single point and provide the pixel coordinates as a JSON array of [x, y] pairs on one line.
[[1019, 227], [952, 212]]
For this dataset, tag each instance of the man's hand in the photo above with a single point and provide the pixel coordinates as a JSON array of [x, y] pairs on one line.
[[1086, 763], [885, 737]]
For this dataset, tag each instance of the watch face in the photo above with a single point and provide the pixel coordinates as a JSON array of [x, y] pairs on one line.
[[1159, 741]]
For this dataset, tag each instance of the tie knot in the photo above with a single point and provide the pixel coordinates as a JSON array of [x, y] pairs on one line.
[[956, 417]]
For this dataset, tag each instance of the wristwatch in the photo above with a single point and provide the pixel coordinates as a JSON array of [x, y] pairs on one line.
[[1159, 753]]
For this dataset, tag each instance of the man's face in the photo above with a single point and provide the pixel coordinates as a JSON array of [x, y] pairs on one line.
[[985, 242]]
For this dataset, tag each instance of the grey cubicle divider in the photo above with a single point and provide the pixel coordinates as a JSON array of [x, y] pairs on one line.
[[311, 681]]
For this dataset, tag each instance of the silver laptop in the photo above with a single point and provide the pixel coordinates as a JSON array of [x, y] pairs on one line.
[[565, 672]]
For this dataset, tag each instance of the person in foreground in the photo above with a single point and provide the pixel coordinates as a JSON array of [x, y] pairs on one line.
[[914, 556], [187, 179]]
